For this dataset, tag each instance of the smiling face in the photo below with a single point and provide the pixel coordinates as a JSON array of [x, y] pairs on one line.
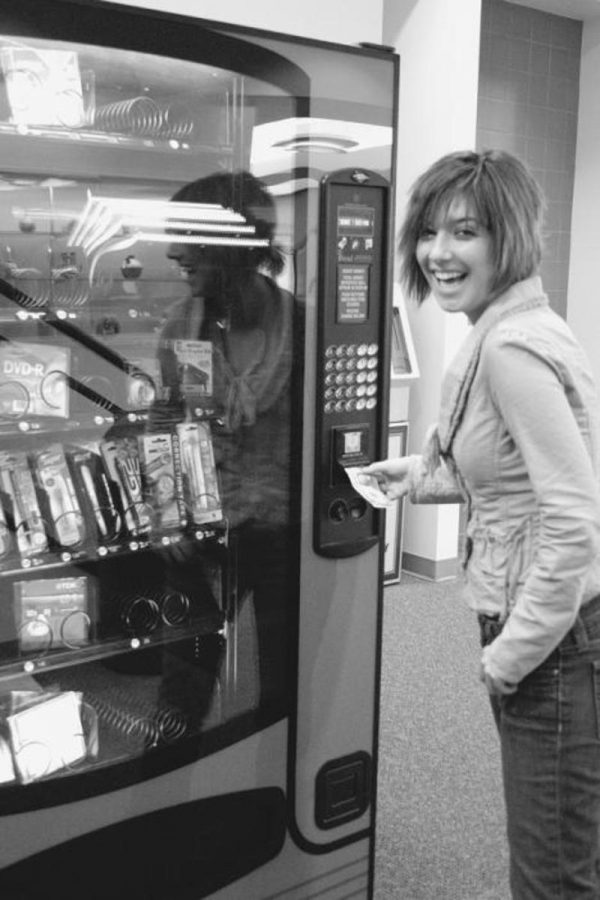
[[454, 251], [198, 265]]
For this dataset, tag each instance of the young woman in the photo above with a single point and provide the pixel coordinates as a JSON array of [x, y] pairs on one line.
[[518, 439]]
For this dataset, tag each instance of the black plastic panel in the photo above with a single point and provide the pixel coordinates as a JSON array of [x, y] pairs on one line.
[[353, 289]]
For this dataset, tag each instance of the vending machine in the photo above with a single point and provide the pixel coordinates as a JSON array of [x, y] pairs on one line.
[[195, 244]]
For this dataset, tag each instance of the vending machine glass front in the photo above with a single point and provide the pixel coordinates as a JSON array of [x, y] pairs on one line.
[[148, 332]]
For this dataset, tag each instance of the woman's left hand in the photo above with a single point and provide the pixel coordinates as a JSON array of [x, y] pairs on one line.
[[496, 686]]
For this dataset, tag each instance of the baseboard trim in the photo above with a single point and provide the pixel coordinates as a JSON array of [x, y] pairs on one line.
[[430, 569]]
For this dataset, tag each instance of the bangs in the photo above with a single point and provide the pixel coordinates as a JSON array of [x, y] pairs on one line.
[[438, 205]]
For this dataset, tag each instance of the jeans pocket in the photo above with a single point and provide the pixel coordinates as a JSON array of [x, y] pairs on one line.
[[596, 688], [537, 697]]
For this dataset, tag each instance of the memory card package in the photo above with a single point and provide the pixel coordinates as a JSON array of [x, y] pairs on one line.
[[194, 368]]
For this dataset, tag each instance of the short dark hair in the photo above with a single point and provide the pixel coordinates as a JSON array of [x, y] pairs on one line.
[[508, 201], [245, 194]]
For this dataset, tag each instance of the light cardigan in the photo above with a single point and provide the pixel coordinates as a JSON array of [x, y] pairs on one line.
[[519, 440]]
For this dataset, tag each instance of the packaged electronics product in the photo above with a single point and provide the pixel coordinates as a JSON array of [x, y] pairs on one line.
[[162, 485], [122, 460], [194, 450], [6, 540], [93, 490], [52, 613], [34, 380], [16, 482], [55, 482], [43, 86], [194, 369], [47, 736]]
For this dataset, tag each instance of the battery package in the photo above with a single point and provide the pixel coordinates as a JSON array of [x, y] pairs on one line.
[[194, 453], [162, 484], [122, 460], [34, 380], [17, 485], [56, 488]]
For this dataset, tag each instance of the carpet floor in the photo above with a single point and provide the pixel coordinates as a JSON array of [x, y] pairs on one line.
[[440, 816]]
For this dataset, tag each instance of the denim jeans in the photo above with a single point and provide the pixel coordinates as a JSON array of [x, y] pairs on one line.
[[550, 741]]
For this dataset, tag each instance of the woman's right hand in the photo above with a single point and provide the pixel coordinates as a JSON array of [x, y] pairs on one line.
[[392, 476]]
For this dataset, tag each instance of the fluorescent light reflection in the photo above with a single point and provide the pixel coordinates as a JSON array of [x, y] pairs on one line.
[[105, 219]]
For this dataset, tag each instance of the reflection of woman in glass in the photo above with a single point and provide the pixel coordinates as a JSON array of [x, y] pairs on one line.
[[236, 305]]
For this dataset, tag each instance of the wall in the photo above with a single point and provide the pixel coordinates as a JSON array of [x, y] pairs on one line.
[[438, 42], [528, 98], [583, 312], [348, 23]]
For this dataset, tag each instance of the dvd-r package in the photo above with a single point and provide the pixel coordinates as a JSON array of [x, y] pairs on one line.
[[34, 380]]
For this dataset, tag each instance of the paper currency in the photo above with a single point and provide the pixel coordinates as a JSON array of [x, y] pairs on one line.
[[368, 487]]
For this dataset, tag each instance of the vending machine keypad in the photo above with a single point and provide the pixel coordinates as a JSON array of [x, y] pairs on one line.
[[350, 377]]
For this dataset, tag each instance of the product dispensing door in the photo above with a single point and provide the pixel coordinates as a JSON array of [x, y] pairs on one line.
[[354, 220]]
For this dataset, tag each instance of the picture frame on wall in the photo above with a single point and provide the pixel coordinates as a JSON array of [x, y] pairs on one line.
[[403, 356], [392, 565]]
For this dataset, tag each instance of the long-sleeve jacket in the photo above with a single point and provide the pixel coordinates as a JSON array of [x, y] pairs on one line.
[[519, 440]]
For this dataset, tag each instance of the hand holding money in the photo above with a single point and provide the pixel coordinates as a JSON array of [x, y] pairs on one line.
[[368, 487]]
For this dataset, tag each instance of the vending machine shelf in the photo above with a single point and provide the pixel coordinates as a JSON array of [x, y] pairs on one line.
[[213, 622], [116, 155]]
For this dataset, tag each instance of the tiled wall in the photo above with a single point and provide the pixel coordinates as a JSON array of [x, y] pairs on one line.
[[528, 96]]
